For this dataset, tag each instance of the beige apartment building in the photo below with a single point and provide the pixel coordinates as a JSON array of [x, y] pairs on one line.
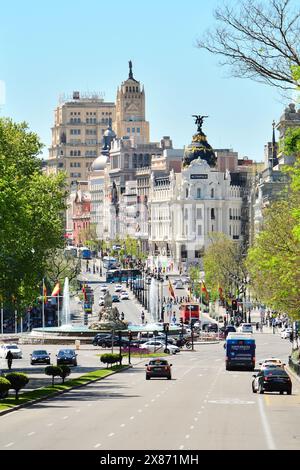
[[79, 125]]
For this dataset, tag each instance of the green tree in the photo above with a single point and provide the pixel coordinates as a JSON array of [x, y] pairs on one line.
[[224, 265], [17, 381], [53, 371], [4, 387], [65, 371], [274, 259], [58, 267], [31, 204], [258, 40]]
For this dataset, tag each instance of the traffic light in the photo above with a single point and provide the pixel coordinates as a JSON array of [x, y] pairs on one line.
[[234, 304]]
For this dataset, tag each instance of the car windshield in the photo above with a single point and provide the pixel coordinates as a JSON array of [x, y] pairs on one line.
[[158, 362], [65, 351], [39, 353], [12, 346]]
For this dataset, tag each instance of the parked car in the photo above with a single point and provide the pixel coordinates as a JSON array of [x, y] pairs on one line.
[[154, 346], [271, 360], [211, 327], [286, 333], [158, 368], [14, 348], [40, 356], [124, 296], [272, 380], [99, 337], [103, 288], [101, 301], [178, 284], [66, 356], [118, 288], [246, 328], [115, 298]]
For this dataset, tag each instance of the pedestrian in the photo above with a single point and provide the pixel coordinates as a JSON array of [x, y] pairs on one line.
[[257, 326], [143, 317], [261, 327], [9, 357]]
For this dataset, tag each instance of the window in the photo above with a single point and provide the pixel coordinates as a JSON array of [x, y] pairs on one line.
[[187, 192], [198, 193], [133, 130], [199, 230], [128, 130], [230, 215], [212, 214], [212, 192], [199, 213], [138, 130]]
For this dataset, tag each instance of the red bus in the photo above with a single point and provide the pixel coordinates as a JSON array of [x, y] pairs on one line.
[[189, 310]]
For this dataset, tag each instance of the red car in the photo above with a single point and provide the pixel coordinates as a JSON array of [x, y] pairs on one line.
[[158, 368]]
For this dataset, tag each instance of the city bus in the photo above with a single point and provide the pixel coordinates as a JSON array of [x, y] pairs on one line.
[[109, 262], [84, 253], [189, 311], [240, 351], [123, 275]]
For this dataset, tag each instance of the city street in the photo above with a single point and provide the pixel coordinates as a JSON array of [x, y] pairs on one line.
[[202, 407]]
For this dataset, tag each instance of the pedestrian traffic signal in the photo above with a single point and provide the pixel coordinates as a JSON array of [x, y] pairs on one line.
[[166, 327], [181, 320], [234, 304]]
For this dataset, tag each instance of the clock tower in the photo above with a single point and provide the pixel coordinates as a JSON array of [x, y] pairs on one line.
[[130, 111]]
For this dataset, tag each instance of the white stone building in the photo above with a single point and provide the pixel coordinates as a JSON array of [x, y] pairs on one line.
[[186, 208]]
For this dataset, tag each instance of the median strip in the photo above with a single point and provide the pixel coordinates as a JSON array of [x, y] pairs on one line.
[[27, 398]]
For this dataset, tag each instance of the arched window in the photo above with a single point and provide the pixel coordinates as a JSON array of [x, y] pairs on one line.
[[79, 153], [71, 153], [212, 214], [186, 192], [212, 192]]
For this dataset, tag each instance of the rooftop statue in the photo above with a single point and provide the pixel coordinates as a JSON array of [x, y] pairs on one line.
[[199, 121]]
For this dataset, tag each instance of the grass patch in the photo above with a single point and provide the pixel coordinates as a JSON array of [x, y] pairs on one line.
[[142, 355], [45, 392]]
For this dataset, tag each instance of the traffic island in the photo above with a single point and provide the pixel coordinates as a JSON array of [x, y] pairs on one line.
[[34, 396]]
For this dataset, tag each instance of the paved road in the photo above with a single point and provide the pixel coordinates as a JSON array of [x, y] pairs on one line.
[[203, 407]]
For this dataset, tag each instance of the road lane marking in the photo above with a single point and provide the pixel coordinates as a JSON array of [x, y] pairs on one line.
[[140, 411], [50, 424], [96, 446], [31, 433], [9, 444], [266, 427], [111, 434], [187, 436], [65, 417], [181, 447], [77, 411], [158, 395], [153, 399], [195, 419], [131, 417], [122, 425], [234, 401], [192, 427], [146, 405]]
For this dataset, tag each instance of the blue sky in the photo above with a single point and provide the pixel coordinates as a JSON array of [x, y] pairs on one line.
[[48, 48]]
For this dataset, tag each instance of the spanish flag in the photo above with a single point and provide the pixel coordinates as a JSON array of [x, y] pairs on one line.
[[221, 296], [44, 292], [56, 290], [171, 290], [204, 291]]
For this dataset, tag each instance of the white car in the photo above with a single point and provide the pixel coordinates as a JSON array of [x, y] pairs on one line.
[[103, 288], [246, 328], [154, 346], [286, 333], [271, 362], [101, 301], [124, 296], [14, 348], [118, 288]]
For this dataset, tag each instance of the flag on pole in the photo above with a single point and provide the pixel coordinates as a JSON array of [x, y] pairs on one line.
[[56, 290], [204, 291], [221, 296], [171, 290], [44, 292], [84, 292]]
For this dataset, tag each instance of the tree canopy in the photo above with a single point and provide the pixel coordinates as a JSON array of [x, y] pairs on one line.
[[31, 206], [258, 40]]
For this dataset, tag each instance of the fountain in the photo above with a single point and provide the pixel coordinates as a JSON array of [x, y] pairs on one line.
[[153, 301], [66, 318]]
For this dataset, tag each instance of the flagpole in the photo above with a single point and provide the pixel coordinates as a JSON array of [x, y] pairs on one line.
[[58, 310], [43, 305]]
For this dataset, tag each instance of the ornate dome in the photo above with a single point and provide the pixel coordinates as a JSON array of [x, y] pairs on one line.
[[199, 148], [100, 163], [110, 133]]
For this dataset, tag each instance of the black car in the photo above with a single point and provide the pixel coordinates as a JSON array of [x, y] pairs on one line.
[[158, 368], [40, 356], [66, 356], [107, 342], [272, 380], [99, 337], [210, 327]]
